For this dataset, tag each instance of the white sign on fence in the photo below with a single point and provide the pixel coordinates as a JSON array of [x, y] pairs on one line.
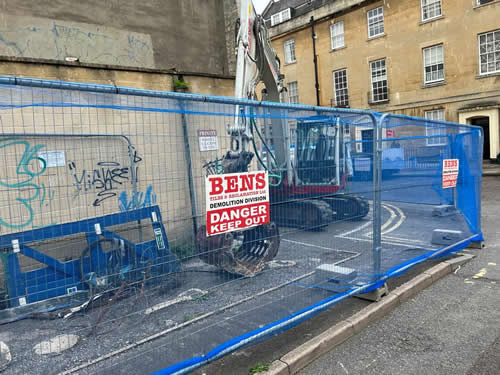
[[450, 173], [208, 140], [52, 158], [236, 201]]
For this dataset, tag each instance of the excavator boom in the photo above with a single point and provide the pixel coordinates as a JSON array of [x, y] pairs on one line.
[[298, 199]]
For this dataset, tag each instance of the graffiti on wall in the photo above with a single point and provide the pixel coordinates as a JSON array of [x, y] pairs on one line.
[[35, 37], [28, 191], [136, 199], [108, 178], [105, 178]]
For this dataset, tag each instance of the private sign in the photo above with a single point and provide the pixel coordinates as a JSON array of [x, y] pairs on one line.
[[236, 201]]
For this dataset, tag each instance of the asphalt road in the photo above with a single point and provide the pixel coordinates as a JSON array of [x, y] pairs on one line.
[[453, 327]]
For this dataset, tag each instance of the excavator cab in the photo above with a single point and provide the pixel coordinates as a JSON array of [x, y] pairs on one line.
[[319, 152]]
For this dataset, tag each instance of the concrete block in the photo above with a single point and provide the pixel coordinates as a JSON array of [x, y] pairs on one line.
[[413, 287], [438, 271], [375, 295], [334, 277], [446, 236], [300, 357], [444, 210], [477, 245]]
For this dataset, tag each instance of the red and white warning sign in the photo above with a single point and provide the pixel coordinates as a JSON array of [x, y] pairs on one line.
[[236, 201], [450, 173]]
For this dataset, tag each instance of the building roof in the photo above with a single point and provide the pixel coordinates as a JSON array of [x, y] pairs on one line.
[[300, 6]]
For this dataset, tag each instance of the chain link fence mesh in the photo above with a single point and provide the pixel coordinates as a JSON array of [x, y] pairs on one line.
[[103, 207]]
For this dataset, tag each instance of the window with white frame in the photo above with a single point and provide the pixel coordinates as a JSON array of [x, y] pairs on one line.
[[293, 92], [489, 52], [280, 17], [337, 34], [431, 9], [433, 64], [340, 88], [375, 22], [380, 91], [289, 47], [434, 131]]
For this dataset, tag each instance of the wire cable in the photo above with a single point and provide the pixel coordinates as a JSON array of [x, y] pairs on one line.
[[257, 154]]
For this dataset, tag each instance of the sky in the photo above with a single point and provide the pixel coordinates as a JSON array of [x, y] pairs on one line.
[[260, 5]]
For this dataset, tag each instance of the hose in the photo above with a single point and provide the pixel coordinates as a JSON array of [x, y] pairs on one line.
[[271, 174]]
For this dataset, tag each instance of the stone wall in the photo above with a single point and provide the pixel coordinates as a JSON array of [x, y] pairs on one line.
[[176, 34]]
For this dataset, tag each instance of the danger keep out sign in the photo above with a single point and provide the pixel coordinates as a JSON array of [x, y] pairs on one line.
[[236, 201], [450, 173]]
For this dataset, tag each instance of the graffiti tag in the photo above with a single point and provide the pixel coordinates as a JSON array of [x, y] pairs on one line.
[[105, 178], [29, 167], [136, 200]]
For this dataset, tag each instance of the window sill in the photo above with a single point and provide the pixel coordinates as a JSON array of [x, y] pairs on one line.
[[376, 37], [431, 19], [379, 102], [291, 63], [433, 84], [477, 6], [487, 75], [338, 49]]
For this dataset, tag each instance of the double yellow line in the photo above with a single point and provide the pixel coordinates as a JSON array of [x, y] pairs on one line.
[[388, 226]]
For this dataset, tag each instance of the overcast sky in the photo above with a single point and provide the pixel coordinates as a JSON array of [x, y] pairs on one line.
[[260, 5]]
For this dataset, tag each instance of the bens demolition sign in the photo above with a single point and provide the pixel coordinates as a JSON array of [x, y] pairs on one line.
[[236, 201], [450, 173], [208, 140]]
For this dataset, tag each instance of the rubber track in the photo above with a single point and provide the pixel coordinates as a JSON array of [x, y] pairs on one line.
[[297, 213], [351, 207]]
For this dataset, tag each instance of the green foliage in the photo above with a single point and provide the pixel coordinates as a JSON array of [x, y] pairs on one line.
[[189, 317], [261, 367], [180, 84]]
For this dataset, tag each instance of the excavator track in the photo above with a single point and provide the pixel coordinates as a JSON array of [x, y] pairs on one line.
[[348, 207], [315, 214], [308, 214]]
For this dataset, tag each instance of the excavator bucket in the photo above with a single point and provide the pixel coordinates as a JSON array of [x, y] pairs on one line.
[[243, 253]]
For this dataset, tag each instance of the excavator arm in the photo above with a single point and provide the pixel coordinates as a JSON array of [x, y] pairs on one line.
[[256, 62], [247, 252]]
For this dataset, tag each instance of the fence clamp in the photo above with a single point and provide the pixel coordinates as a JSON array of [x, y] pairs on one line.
[[154, 217], [97, 228]]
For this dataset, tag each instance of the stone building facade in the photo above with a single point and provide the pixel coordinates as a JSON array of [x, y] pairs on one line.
[[438, 59]]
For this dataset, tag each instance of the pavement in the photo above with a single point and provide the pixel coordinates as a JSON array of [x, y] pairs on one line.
[[452, 327]]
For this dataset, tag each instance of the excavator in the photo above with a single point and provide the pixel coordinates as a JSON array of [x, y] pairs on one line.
[[306, 189]]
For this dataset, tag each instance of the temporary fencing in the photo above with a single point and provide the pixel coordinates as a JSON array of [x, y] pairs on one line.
[[105, 243]]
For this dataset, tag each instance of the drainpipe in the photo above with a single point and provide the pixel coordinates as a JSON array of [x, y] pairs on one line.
[[313, 36]]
